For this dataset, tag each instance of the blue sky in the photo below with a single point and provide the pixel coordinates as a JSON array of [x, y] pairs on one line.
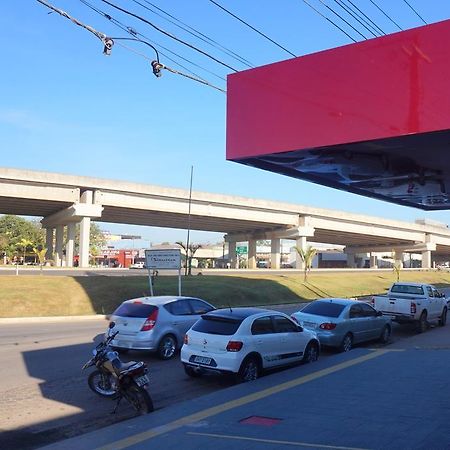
[[67, 108]]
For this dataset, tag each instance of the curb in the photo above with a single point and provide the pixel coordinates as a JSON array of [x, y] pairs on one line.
[[51, 319]]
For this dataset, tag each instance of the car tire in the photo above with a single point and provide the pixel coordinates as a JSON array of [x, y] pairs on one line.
[[311, 353], [423, 323], [347, 343], [443, 318], [385, 334], [190, 371], [167, 347], [249, 371]]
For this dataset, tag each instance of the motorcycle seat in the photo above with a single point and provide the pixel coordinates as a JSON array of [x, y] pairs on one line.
[[128, 366]]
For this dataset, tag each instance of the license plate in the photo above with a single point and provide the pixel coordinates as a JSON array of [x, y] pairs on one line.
[[202, 360], [142, 380]]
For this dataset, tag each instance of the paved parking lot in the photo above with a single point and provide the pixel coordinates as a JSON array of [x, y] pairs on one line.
[[383, 398]]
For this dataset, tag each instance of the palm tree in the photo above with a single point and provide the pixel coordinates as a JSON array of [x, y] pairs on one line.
[[307, 256]]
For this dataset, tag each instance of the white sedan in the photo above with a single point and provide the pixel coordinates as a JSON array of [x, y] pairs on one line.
[[246, 341]]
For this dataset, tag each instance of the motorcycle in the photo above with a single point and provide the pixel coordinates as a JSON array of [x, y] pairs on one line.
[[115, 379]]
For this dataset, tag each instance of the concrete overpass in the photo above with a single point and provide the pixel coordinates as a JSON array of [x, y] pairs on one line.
[[65, 200]]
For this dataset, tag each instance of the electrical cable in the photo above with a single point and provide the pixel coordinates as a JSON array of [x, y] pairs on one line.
[[169, 34], [253, 28], [338, 15], [387, 15], [199, 35], [351, 13], [418, 15], [329, 20], [367, 17], [107, 42], [133, 32]]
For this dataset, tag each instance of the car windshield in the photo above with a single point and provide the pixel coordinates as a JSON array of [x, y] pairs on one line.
[[134, 310], [216, 325], [407, 289], [327, 309]]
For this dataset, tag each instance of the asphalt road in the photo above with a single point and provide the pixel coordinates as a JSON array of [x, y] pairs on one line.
[[44, 395]]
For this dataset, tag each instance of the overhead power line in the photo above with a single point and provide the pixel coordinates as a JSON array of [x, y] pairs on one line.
[[417, 14], [367, 17], [253, 28], [169, 34], [386, 15], [194, 32], [329, 20], [352, 13], [340, 17]]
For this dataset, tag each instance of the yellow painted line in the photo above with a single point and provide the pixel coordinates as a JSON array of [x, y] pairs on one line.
[[273, 441], [209, 412]]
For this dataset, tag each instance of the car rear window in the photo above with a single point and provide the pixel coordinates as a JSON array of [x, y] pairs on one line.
[[216, 325], [407, 289], [323, 309], [134, 310]]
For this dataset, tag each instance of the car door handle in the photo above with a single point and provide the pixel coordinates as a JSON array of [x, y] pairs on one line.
[[259, 341], [174, 323]]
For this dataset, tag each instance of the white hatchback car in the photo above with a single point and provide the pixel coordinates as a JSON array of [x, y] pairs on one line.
[[246, 341]]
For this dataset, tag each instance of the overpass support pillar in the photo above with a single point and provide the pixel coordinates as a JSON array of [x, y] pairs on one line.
[[49, 243], [426, 259], [71, 226], [59, 245], [351, 261], [301, 243], [373, 261], [252, 254], [275, 247], [398, 258], [232, 254], [85, 230]]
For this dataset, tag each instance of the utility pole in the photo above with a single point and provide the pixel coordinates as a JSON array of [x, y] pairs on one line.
[[189, 225]]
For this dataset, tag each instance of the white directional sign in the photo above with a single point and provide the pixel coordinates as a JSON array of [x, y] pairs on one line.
[[163, 259]]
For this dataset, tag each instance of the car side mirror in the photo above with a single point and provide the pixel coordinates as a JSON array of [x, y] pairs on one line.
[[299, 328], [112, 324], [379, 313]]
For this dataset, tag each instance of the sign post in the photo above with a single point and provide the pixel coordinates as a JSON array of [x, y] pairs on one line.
[[163, 259]]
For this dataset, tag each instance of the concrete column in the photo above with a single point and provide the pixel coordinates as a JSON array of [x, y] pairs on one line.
[[373, 261], [351, 262], [398, 258], [301, 243], [85, 228], [232, 255], [275, 247], [85, 231], [70, 243], [426, 259], [49, 243], [59, 245], [252, 254]]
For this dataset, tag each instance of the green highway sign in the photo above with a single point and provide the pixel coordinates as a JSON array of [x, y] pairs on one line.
[[241, 249]]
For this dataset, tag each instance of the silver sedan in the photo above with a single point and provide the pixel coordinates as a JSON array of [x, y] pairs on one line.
[[341, 323]]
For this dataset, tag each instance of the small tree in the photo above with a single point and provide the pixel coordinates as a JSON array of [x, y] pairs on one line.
[[307, 256], [40, 252], [190, 252]]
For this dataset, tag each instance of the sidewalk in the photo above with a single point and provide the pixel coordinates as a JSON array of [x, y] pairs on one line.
[[390, 398]]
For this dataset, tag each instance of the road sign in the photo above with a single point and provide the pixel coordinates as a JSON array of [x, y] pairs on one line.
[[163, 259], [241, 249]]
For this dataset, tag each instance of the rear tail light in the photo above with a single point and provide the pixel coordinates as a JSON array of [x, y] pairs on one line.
[[295, 319], [186, 339], [413, 308], [234, 346], [151, 321], [327, 326]]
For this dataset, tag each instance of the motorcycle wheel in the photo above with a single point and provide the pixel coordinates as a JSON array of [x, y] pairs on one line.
[[101, 384], [139, 399]]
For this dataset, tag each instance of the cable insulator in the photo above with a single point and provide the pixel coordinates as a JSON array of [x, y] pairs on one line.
[[157, 68], [108, 45]]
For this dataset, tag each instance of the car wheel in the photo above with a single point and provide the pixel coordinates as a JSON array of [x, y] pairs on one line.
[[347, 343], [167, 347], [249, 371], [443, 318], [190, 371], [385, 334], [423, 323], [311, 353]]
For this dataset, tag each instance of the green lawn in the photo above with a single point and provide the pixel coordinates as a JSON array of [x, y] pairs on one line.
[[32, 296]]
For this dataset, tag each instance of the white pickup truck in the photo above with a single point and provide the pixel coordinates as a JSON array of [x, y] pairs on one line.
[[412, 302]]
